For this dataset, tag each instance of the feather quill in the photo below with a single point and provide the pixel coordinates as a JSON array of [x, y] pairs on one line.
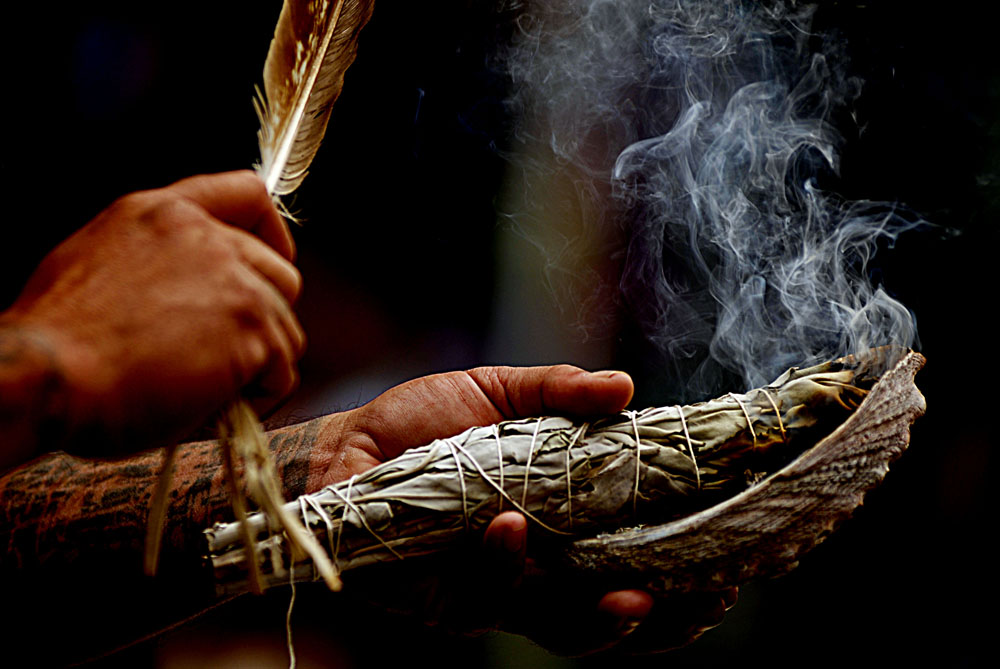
[[314, 43]]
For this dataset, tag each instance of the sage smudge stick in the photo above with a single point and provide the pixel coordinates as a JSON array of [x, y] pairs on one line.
[[570, 478]]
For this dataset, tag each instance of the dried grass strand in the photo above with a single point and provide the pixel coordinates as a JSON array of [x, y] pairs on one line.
[[461, 478], [158, 512], [325, 517], [288, 621], [239, 503], [496, 435], [638, 463], [343, 516], [569, 477]]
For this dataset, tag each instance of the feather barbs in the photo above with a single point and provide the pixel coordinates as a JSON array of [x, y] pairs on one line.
[[314, 43]]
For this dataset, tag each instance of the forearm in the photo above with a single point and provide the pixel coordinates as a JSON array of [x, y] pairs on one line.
[[73, 533]]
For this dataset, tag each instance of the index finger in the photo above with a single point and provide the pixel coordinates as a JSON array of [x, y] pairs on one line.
[[241, 200]]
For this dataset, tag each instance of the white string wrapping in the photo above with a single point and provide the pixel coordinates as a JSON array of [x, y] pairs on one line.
[[527, 466], [746, 414], [638, 463], [687, 437]]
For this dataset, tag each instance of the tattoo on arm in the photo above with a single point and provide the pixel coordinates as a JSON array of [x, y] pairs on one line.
[[61, 508], [72, 531]]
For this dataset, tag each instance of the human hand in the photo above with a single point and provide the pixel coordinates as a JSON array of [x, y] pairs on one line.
[[166, 307], [433, 407], [569, 620], [588, 618]]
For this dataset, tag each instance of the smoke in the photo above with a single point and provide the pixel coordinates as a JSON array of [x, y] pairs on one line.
[[711, 127]]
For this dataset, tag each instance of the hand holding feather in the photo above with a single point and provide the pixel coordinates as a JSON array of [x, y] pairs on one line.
[[315, 41], [155, 314]]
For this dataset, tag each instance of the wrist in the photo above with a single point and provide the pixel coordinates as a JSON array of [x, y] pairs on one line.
[[34, 408], [305, 452]]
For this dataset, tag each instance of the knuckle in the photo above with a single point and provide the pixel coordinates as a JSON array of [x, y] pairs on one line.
[[168, 213], [248, 310], [211, 237], [491, 377], [129, 207], [243, 301], [496, 384], [218, 253], [250, 358], [292, 382]]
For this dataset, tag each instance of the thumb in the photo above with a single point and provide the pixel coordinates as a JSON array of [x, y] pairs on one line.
[[529, 391]]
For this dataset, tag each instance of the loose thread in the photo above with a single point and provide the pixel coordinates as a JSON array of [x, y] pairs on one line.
[[158, 511], [321, 512], [638, 462], [777, 412], [288, 622], [305, 522], [569, 478], [527, 466], [496, 435], [325, 517], [343, 516], [461, 481], [687, 436], [749, 423]]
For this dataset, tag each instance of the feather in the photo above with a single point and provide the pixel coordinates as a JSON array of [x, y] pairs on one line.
[[314, 43]]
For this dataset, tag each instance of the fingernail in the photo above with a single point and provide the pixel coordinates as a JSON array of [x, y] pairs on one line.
[[627, 625], [729, 598], [608, 374], [493, 541], [513, 540]]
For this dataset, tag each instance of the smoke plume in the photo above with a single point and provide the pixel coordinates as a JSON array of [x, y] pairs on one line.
[[711, 125]]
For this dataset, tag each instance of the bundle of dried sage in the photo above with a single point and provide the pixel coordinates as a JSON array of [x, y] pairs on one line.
[[569, 478]]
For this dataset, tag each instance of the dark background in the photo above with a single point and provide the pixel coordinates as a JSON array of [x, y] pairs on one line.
[[408, 271]]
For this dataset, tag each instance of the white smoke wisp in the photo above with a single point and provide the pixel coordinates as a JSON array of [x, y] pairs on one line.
[[717, 124]]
